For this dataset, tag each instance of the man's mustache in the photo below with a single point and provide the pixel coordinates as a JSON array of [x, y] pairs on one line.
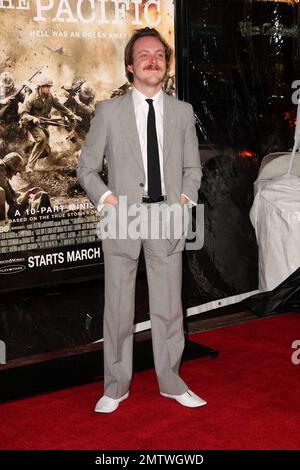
[[152, 67]]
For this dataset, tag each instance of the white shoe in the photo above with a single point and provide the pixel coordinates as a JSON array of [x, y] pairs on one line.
[[189, 399], [108, 405]]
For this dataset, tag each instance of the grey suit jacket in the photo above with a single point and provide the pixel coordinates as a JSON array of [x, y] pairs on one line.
[[114, 134]]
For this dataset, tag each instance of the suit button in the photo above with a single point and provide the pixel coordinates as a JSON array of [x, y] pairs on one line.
[[142, 185]]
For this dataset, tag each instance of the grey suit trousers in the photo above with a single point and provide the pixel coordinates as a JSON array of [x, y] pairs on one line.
[[164, 274]]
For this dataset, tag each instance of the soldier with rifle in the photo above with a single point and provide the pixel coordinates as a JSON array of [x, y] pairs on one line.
[[72, 91], [35, 114], [10, 96], [81, 101]]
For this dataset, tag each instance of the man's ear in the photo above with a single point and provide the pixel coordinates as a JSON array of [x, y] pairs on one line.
[[130, 68]]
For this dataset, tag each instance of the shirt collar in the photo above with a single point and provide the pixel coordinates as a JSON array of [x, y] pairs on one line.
[[139, 98]]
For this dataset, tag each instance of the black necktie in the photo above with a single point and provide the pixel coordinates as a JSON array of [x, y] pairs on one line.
[[153, 167]]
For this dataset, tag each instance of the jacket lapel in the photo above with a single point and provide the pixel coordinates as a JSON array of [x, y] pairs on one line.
[[169, 125], [128, 124]]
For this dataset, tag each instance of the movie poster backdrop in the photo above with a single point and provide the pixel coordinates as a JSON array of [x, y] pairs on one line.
[[47, 223]]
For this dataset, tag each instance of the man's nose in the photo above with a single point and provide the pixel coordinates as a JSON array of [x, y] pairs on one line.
[[153, 60]]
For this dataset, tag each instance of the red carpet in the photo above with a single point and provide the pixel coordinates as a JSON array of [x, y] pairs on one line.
[[252, 391]]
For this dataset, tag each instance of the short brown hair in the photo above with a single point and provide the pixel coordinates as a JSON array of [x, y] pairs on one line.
[[140, 33]]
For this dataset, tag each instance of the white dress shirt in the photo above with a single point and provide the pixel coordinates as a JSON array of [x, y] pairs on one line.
[[141, 108]]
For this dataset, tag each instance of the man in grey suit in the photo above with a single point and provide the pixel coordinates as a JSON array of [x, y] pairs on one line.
[[149, 141]]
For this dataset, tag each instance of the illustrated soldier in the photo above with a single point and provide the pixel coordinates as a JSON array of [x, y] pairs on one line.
[[122, 90], [17, 202], [36, 108], [9, 102], [7, 91], [82, 104]]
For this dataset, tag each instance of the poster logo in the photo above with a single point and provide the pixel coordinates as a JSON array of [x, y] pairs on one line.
[[12, 269]]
